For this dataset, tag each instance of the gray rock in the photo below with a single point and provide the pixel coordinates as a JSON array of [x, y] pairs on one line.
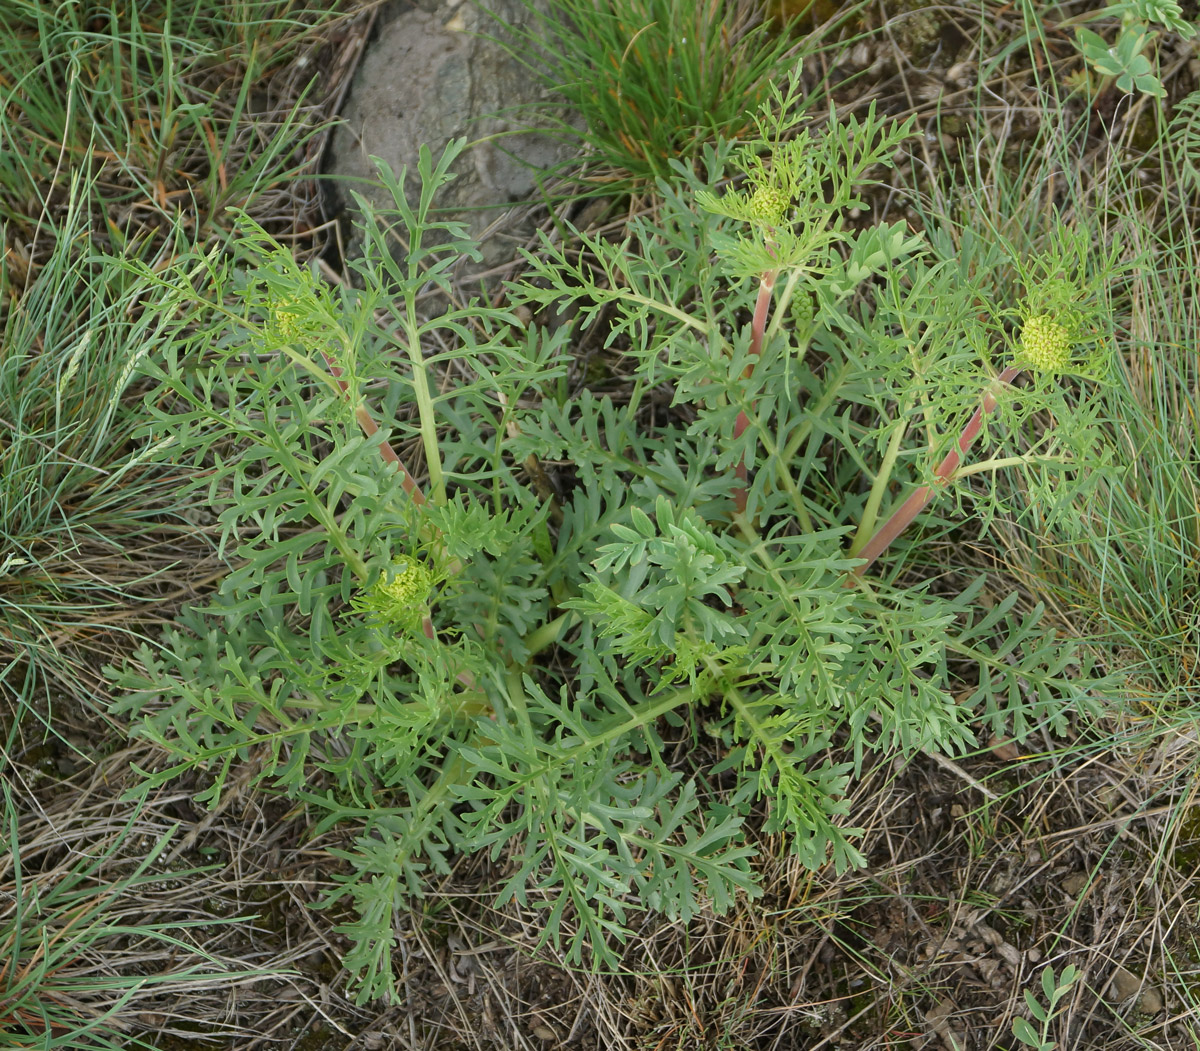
[[1075, 882], [1125, 985], [429, 78]]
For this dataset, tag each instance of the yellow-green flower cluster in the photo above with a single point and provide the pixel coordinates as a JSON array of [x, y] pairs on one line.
[[1045, 343], [768, 204], [399, 596], [295, 303], [408, 584], [287, 315]]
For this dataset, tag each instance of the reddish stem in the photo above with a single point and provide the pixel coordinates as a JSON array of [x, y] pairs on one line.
[[758, 328], [369, 428], [917, 500]]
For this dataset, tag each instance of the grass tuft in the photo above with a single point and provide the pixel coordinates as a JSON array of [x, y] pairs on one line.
[[88, 516], [656, 80]]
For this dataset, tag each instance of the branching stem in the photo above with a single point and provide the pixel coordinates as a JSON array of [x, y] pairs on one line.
[[917, 501], [370, 428]]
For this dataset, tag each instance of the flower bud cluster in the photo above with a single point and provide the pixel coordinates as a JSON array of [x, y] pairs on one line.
[[768, 204], [287, 317], [408, 585], [1045, 343], [400, 595]]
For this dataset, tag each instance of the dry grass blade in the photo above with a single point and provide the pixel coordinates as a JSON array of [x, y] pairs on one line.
[[132, 927]]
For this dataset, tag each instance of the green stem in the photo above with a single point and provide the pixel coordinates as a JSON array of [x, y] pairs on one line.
[[425, 411], [999, 463], [782, 302], [665, 308], [317, 508], [883, 479], [785, 480], [420, 379], [798, 437], [549, 633], [818, 412], [639, 718]]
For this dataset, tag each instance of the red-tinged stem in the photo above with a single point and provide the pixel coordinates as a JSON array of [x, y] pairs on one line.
[[917, 501], [409, 485], [369, 428], [758, 327], [766, 286]]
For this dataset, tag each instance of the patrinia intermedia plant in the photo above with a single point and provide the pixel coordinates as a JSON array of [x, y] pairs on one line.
[[479, 590]]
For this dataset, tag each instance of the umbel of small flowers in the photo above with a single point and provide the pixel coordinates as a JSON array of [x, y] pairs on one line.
[[400, 596], [1045, 344]]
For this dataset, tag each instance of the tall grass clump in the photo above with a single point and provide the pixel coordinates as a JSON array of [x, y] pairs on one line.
[[1138, 568], [126, 130], [157, 100], [94, 940], [88, 511], [654, 81]]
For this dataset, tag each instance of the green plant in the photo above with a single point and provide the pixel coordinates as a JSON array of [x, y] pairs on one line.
[[460, 657], [1054, 989], [1124, 62]]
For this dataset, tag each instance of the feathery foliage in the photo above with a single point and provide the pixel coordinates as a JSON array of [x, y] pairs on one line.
[[479, 663]]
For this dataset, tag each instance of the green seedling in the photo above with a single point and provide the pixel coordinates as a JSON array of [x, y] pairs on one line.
[[1043, 1011]]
